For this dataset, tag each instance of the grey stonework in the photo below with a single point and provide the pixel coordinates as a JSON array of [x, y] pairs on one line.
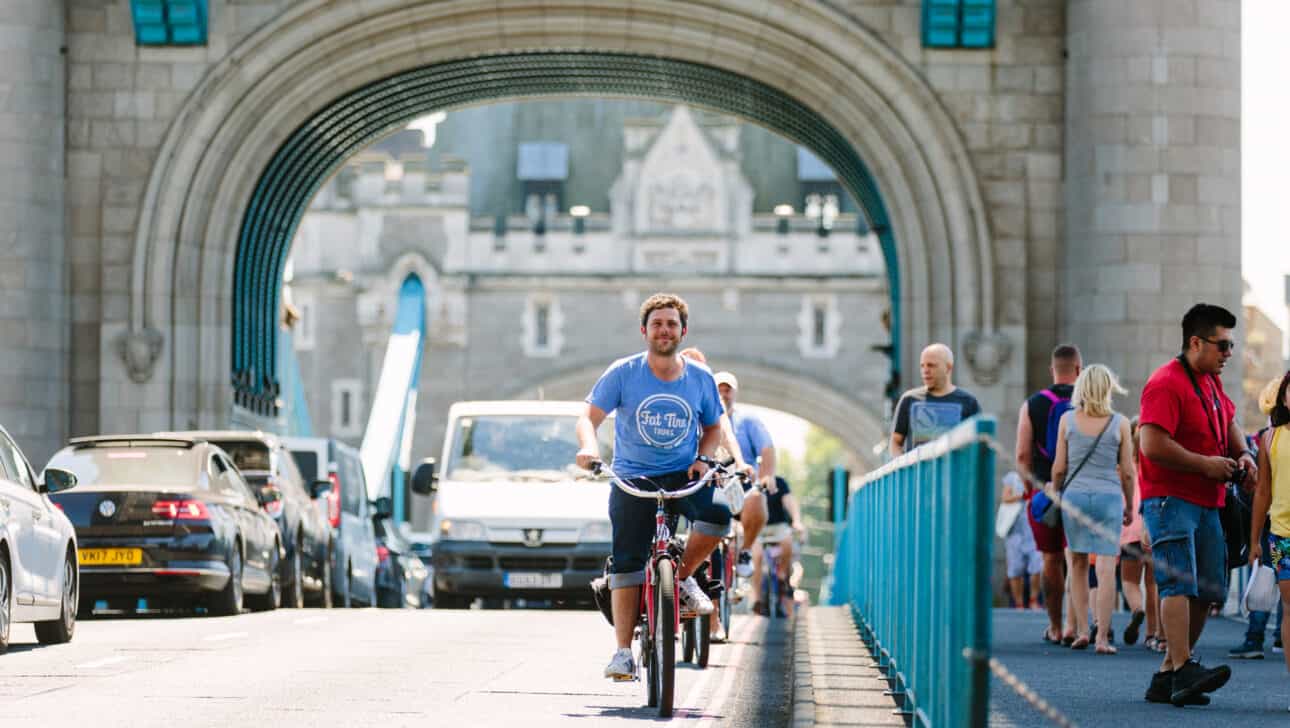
[[1064, 206], [37, 300]]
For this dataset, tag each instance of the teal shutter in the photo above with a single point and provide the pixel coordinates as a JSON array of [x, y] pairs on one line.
[[977, 29], [941, 23]]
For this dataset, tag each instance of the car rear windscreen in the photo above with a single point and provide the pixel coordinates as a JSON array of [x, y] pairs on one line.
[[160, 466], [307, 461], [246, 454]]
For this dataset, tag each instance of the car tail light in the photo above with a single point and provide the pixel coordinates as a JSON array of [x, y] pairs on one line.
[[59, 506], [333, 502], [181, 510], [382, 554]]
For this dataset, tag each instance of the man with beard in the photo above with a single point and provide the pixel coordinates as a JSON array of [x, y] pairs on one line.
[[1191, 447], [666, 430]]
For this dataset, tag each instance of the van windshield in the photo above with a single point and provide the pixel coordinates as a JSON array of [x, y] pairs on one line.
[[518, 447]]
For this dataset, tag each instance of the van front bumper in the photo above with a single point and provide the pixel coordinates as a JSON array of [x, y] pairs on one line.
[[484, 569]]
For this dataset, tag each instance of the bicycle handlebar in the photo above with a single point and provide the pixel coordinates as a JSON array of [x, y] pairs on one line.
[[599, 467]]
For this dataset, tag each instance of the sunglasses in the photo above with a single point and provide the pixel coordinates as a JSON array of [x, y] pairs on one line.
[[1224, 345]]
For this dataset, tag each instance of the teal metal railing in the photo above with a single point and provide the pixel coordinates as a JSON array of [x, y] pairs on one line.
[[913, 563]]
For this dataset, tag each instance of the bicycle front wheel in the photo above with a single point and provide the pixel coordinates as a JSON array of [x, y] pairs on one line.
[[665, 637]]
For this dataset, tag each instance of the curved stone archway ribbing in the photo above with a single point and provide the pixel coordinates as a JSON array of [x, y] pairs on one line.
[[315, 52], [322, 143]]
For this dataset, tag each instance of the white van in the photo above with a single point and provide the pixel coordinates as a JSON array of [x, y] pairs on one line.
[[514, 517]]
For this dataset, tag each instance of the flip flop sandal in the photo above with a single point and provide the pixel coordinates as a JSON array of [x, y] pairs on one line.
[[1080, 643], [1048, 637], [1068, 640], [1106, 650]]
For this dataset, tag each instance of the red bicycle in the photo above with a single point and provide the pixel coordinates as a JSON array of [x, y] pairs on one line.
[[660, 603]]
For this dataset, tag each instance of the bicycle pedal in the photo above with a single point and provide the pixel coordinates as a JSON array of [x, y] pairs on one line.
[[626, 678]]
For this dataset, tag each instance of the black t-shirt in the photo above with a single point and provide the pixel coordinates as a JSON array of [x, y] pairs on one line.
[[775, 511], [1038, 406], [922, 417]]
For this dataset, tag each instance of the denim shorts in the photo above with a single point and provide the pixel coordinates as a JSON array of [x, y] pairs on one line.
[[1187, 548], [632, 519]]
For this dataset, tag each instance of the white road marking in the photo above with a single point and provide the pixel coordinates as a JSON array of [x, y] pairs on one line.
[[225, 636], [310, 620], [104, 662], [731, 668]]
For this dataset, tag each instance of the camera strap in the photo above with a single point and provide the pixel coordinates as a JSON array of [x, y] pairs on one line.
[[1220, 440]]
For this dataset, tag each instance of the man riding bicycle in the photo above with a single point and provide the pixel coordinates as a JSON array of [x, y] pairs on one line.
[[663, 403], [783, 525], [755, 446]]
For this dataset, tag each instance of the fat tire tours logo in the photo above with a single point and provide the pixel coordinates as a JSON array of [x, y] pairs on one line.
[[664, 420]]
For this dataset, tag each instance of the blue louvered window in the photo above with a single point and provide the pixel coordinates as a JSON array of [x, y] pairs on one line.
[[958, 23], [169, 22]]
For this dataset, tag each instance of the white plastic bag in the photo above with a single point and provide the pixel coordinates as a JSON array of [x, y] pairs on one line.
[[731, 495], [1261, 592], [1006, 516]]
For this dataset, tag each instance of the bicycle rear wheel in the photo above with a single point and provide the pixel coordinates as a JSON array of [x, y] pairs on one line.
[[688, 642], [665, 637]]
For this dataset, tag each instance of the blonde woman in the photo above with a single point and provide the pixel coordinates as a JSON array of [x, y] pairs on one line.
[[1272, 496], [1094, 467]]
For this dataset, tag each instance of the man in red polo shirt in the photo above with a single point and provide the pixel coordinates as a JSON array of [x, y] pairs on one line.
[[1191, 447]]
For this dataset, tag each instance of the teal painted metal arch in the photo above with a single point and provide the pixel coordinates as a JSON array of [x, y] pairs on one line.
[[321, 144]]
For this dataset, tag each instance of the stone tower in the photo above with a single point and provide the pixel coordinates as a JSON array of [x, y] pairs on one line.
[[1153, 177]]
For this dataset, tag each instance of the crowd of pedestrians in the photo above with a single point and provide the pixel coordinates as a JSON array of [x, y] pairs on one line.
[[1101, 490]]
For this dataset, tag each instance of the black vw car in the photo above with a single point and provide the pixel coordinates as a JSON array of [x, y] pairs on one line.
[[305, 534], [169, 519]]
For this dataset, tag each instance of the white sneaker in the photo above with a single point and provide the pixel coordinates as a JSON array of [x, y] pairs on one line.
[[693, 598], [743, 567], [622, 666], [718, 634]]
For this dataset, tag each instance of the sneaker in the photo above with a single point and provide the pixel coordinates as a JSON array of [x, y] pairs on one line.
[[1249, 650], [622, 666], [743, 567], [1192, 679], [693, 598], [1162, 688], [1276, 647], [718, 633]]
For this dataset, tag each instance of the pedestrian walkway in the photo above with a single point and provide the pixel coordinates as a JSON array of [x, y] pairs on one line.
[[1094, 690], [836, 681]]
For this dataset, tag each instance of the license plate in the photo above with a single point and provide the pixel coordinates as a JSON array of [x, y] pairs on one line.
[[525, 580], [110, 557]]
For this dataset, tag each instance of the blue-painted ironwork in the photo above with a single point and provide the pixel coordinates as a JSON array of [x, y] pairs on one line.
[[297, 420], [913, 563], [387, 439], [958, 23], [169, 22], [320, 145]]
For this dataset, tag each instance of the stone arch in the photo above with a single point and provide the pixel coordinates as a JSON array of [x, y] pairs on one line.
[[282, 75], [856, 423]]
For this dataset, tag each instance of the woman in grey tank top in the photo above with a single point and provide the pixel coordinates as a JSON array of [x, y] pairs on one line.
[[1093, 441]]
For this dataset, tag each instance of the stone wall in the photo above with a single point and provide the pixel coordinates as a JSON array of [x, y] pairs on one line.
[[121, 99], [34, 289]]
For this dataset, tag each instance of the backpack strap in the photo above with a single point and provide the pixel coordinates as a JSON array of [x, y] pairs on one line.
[[1050, 395]]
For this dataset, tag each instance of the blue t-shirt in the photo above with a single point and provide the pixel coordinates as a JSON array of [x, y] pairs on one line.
[[657, 427], [751, 435]]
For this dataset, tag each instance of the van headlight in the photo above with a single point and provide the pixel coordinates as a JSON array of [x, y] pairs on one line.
[[597, 532], [462, 530]]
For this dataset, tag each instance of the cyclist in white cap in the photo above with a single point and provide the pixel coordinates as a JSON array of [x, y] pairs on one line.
[[756, 446]]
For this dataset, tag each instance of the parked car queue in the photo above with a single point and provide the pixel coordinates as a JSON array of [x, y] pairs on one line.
[[216, 520]]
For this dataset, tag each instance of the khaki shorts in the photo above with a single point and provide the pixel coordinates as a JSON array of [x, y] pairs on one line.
[[774, 533]]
